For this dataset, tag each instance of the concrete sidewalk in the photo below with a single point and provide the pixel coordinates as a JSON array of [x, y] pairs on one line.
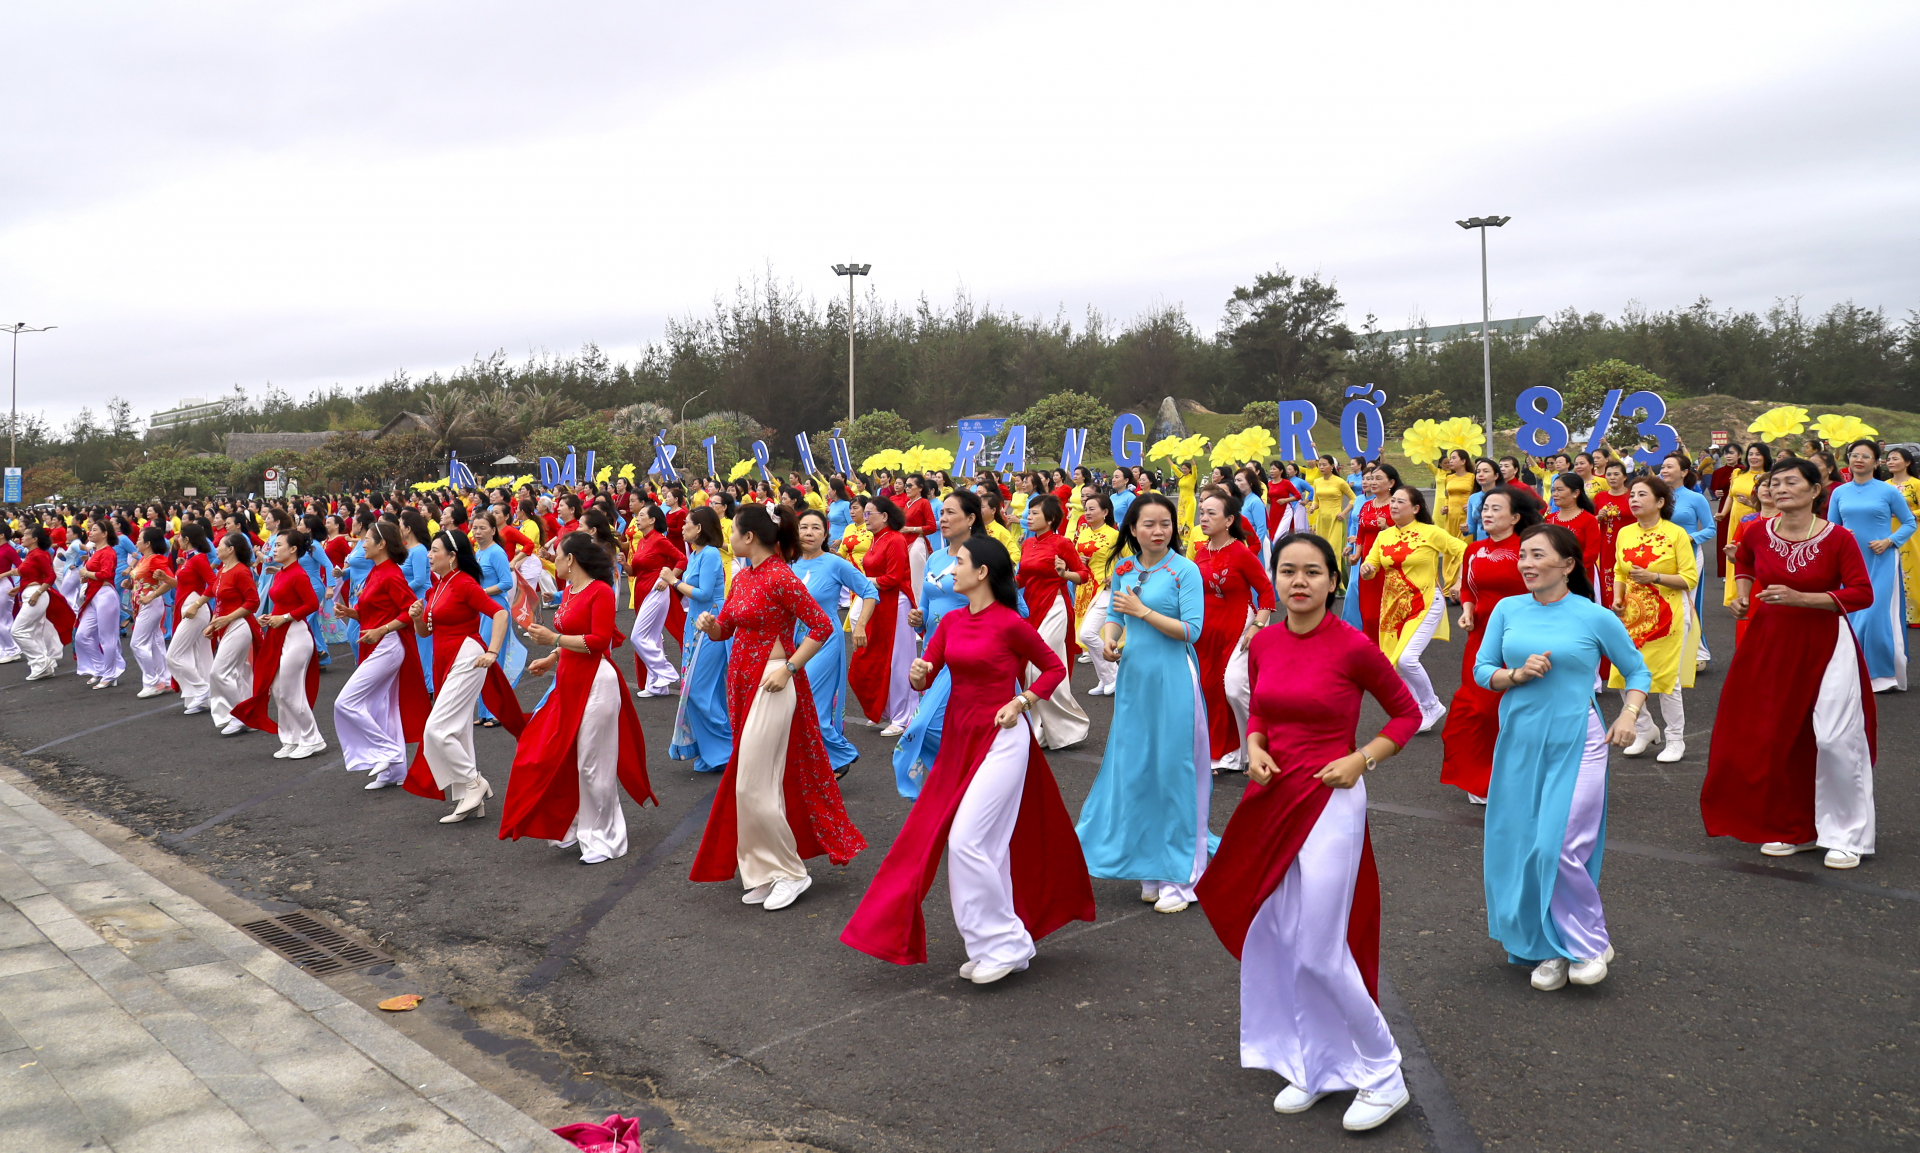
[[133, 1018]]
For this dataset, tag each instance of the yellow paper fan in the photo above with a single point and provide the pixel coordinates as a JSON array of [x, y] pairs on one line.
[[1780, 423], [1838, 428], [741, 469], [626, 472]]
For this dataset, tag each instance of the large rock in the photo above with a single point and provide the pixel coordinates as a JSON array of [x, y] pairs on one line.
[[1168, 422]]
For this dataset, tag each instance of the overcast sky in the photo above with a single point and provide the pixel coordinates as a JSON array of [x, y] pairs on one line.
[[204, 195]]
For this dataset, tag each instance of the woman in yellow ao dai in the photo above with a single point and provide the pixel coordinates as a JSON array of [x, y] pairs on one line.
[[1417, 561], [1653, 579]]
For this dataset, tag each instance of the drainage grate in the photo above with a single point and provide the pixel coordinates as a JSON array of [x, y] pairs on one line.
[[313, 945]]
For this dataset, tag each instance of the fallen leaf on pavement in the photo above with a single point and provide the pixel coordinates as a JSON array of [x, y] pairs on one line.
[[401, 1003]]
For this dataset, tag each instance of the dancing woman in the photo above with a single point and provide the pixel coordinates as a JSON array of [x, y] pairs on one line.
[[1457, 486], [235, 597], [1047, 560], [1743, 501], [962, 516], [496, 580], [878, 673], [778, 803], [1293, 892], [1653, 579], [652, 553], [701, 731], [1791, 764], [1014, 866], [42, 618], [96, 632], [1145, 818], [1489, 574], [1098, 536], [189, 656], [1370, 518], [1419, 567], [384, 703], [1238, 602], [1695, 516], [584, 745], [1547, 800], [829, 578], [9, 581], [1574, 509], [286, 668], [1877, 516], [1331, 499]]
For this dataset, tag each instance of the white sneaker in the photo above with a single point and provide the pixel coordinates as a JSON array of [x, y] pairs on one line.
[[107, 683], [785, 892], [377, 783], [893, 730], [1641, 743], [302, 752], [1473, 800], [1550, 974], [1427, 721], [1786, 848], [756, 895], [988, 974], [283, 752], [40, 675], [1149, 891], [1170, 902], [1294, 1099], [11, 659], [233, 728], [1370, 1110], [193, 710], [1673, 752], [1084, 660], [1842, 859], [1588, 972], [966, 970], [149, 691]]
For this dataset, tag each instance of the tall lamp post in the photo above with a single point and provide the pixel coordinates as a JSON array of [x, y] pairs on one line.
[[683, 421], [850, 271], [1486, 310], [13, 419]]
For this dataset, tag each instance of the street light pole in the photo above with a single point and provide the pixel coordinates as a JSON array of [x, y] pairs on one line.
[[13, 419], [850, 271], [1486, 310], [683, 418]]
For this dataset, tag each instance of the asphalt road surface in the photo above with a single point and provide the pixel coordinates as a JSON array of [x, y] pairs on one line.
[[1753, 1004]]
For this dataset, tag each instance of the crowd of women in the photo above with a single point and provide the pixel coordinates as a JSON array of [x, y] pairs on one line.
[[1236, 620]]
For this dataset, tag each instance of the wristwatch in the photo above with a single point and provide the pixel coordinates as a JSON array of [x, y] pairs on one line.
[[792, 668], [1371, 764]]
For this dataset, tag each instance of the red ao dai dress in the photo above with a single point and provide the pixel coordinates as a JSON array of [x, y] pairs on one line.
[[877, 674], [1292, 891], [286, 669], [40, 629], [1235, 586], [189, 653], [234, 645], [1793, 752], [456, 611], [778, 802], [149, 636], [583, 746], [1489, 574], [1014, 864], [650, 664], [96, 631], [384, 703], [1059, 718]]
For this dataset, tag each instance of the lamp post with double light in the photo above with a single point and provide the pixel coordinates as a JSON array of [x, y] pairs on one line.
[[850, 271], [13, 419]]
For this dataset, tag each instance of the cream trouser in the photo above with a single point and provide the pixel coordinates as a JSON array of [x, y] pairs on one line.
[[1104, 669], [979, 863], [765, 846], [599, 826], [292, 714], [1059, 719], [35, 635], [447, 740], [232, 678], [190, 657], [150, 645]]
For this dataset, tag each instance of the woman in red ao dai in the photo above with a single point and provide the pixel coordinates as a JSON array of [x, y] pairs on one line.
[[287, 668]]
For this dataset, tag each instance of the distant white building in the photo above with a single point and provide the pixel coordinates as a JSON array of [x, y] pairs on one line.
[[187, 412]]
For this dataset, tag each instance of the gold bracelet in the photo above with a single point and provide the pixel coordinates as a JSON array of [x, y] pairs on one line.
[[1632, 710]]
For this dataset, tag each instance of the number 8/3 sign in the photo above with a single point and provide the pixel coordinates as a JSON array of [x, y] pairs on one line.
[[1543, 433]]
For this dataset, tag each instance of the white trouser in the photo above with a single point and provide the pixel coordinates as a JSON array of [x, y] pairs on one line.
[[150, 645], [1700, 566], [366, 714], [531, 571], [96, 638], [1096, 617], [8, 646], [1409, 667], [34, 633], [1304, 1008], [190, 657], [447, 739], [1671, 711], [1240, 699], [917, 554], [232, 679], [979, 861], [764, 846], [1843, 815], [661, 675], [1058, 720], [901, 699], [599, 826], [292, 714]]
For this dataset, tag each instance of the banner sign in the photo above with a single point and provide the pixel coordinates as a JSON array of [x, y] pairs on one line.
[[12, 495], [974, 435]]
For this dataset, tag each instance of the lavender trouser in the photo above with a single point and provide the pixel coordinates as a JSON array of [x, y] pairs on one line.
[[1575, 907], [96, 639], [366, 714]]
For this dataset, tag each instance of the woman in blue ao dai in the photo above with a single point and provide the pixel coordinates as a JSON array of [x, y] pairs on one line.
[[1547, 796], [828, 578], [962, 515], [1877, 515], [1145, 818], [702, 731]]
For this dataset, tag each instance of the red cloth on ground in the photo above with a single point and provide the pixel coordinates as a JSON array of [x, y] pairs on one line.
[[37, 569], [1306, 702], [986, 654], [1490, 574], [762, 608], [543, 791], [385, 596], [1374, 520], [1234, 584], [1760, 767], [870, 670], [291, 594], [456, 606]]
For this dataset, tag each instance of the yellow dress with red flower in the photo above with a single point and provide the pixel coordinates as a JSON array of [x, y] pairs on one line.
[[1416, 561], [1659, 619], [1095, 546]]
